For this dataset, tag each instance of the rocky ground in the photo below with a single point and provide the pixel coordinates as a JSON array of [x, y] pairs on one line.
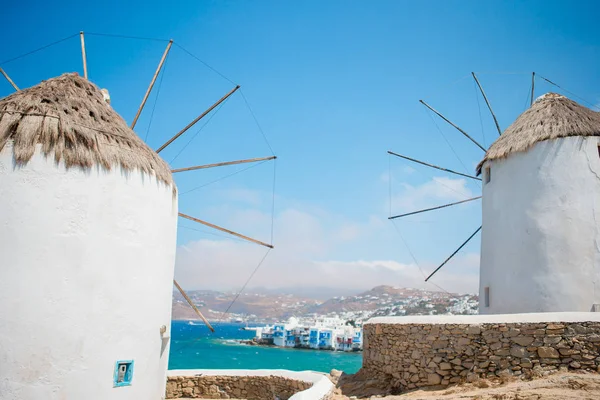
[[559, 386]]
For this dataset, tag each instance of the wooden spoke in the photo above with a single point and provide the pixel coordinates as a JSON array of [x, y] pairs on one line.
[[225, 230], [532, 88], [181, 132], [221, 164], [9, 80], [433, 166], [488, 103], [191, 303], [453, 254], [83, 56], [454, 125], [160, 64], [434, 208]]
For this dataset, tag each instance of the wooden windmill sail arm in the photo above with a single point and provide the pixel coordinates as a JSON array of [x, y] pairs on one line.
[[453, 254], [221, 164], [9, 80], [83, 56], [532, 88], [160, 64], [433, 166], [488, 103], [225, 230], [191, 303], [454, 125], [434, 208], [181, 132]]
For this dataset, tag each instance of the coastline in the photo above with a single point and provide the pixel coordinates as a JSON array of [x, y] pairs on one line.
[[269, 344], [195, 347]]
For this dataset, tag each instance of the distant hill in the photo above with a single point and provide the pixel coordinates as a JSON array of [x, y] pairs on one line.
[[268, 306]]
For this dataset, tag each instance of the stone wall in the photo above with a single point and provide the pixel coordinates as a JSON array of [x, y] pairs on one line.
[[236, 387], [247, 384], [416, 352]]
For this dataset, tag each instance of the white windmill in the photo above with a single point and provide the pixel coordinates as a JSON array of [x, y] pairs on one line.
[[88, 225], [540, 228]]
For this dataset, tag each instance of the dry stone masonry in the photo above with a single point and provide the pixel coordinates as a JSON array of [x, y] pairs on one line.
[[233, 387], [430, 352]]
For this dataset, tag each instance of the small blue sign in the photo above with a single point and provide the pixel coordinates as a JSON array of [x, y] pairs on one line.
[[123, 373]]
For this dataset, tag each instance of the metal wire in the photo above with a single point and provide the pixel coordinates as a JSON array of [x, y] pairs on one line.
[[39, 49]]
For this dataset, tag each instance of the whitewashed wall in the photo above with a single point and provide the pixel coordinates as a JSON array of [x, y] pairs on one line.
[[540, 245], [86, 269]]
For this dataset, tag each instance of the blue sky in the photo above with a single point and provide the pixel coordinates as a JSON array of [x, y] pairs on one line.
[[334, 85]]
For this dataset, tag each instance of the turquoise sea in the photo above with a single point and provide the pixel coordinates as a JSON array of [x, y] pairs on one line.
[[195, 347]]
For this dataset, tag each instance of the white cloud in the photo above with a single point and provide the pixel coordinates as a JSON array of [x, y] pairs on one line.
[[430, 193], [306, 254], [404, 170]]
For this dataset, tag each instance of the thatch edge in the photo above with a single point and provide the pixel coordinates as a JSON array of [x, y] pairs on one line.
[[551, 116], [35, 116]]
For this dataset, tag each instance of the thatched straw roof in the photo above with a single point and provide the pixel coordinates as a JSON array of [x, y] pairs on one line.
[[551, 116], [68, 116]]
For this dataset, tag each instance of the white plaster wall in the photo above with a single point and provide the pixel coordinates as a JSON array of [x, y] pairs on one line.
[[86, 269], [540, 245], [321, 387]]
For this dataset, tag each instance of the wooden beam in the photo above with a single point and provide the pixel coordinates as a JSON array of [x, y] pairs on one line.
[[434, 208], [191, 303], [181, 132], [488, 103], [453, 254], [9, 80], [221, 164], [454, 125], [225, 230], [433, 166], [160, 64], [532, 87], [83, 56]]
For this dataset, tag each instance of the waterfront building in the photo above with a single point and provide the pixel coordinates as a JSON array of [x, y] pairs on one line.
[[331, 333]]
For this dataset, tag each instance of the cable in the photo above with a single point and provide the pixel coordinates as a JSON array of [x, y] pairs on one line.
[[126, 37], [273, 200], [164, 70], [204, 63], [571, 93], [503, 73], [214, 234], [446, 140], [390, 181], [256, 120], [225, 177], [528, 97], [36, 50], [446, 87], [199, 130], [479, 109], [415, 259], [441, 183], [246, 283]]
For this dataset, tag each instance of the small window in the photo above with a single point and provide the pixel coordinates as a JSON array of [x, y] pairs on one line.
[[487, 296], [123, 373], [487, 174], [599, 150]]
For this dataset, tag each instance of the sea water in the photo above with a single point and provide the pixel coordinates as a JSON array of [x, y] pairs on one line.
[[195, 347]]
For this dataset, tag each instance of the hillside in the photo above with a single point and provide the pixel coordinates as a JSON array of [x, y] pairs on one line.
[[271, 307]]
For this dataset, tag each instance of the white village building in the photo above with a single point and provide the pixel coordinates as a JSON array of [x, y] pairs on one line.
[[88, 221], [540, 244]]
